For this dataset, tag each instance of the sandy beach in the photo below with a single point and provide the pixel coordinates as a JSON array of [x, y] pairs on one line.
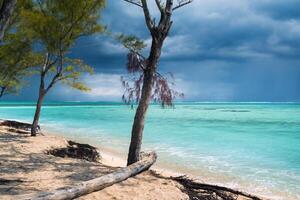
[[26, 168]]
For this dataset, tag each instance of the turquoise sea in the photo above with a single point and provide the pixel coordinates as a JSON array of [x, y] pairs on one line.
[[254, 147]]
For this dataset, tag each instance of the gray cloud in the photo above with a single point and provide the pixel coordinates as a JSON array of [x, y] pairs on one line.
[[242, 50], [279, 9]]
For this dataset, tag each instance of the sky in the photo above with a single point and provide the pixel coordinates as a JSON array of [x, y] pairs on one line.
[[218, 50]]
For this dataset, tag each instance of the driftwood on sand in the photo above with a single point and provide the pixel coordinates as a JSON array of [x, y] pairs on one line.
[[97, 184]]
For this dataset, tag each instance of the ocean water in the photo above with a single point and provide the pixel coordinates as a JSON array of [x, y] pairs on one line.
[[254, 147]]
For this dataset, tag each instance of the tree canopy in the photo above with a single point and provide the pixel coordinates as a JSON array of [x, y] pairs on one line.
[[16, 55], [55, 26]]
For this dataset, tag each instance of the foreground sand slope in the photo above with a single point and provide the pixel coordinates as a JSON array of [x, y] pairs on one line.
[[25, 168]]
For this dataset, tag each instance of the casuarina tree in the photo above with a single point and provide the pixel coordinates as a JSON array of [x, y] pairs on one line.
[[150, 84], [55, 26], [16, 55], [16, 60]]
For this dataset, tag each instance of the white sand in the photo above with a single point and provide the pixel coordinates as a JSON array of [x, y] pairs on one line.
[[24, 162], [23, 158]]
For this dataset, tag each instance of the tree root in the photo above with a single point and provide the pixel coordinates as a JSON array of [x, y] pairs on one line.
[[197, 191]]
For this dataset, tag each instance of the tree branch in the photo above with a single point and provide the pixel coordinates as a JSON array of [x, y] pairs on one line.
[[182, 3], [74, 22], [148, 19], [58, 72], [169, 5], [134, 3], [2, 88], [159, 6], [6, 11], [53, 81], [45, 67]]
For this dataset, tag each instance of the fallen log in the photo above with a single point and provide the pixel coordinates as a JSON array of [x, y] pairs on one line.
[[97, 184]]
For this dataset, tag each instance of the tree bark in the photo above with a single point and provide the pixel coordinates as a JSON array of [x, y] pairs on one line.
[[96, 184], [43, 90], [159, 33], [139, 119], [6, 11], [36, 118], [2, 90]]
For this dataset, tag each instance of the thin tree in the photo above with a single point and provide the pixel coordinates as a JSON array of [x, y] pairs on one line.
[[56, 25], [6, 12], [150, 78]]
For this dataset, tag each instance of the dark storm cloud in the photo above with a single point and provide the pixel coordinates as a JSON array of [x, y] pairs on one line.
[[236, 31], [220, 50], [279, 9]]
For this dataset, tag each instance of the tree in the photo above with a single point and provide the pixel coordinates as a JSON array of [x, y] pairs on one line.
[[6, 11], [16, 57], [56, 25], [16, 54], [143, 86]]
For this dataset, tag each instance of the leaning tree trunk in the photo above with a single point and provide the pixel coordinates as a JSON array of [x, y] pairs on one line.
[[6, 11], [96, 184], [139, 119], [36, 118]]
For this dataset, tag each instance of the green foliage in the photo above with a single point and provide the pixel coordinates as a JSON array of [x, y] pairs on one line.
[[73, 71], [40, 36], [131, 42], [56, 25], [16, 56]]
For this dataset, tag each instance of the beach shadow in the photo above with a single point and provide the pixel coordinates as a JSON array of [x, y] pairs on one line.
[[13, 138], [25, 172]]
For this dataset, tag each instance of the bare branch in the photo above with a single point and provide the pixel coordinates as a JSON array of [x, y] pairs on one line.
[[6, 12], [159, 6], [169, 5], [134, 3], [143, 4], [58, 74], [149, 21], [182, 3]]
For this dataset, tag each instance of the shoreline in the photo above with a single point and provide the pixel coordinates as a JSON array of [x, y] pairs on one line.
[[114, 158], [168, 188]]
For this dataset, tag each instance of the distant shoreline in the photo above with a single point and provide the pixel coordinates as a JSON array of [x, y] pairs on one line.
[[122, 103]]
